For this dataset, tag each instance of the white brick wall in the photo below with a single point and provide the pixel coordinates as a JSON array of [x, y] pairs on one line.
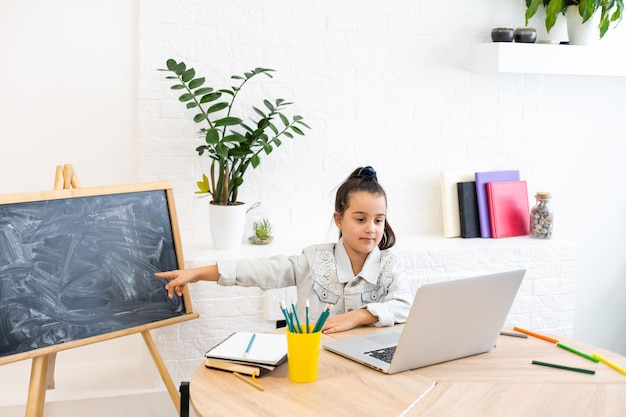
[[383, 84]]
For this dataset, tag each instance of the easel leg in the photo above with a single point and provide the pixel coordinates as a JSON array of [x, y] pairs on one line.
[[165, 375], [42, 368], [37, 387], [52, 358]]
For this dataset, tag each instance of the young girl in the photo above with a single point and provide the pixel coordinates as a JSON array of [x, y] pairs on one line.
[[358, 275]]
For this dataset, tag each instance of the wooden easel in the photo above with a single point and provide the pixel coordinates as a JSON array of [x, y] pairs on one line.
[[42, 368]]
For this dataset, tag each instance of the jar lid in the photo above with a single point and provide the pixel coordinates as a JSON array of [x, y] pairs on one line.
[[542, 195]]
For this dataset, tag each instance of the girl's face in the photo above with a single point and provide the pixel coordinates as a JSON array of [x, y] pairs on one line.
[[363, 223]]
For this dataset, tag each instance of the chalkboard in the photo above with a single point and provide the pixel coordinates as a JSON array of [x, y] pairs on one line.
[[77, 266]]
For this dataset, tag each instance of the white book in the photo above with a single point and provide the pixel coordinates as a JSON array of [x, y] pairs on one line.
[[450, 200], [267, 348]]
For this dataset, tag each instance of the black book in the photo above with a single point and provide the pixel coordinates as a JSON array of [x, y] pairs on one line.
[[468, 209]]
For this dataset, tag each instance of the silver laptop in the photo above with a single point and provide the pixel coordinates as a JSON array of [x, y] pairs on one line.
[[448, 320]]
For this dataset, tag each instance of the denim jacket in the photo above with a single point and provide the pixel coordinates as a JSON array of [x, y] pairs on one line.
[[323, 274]]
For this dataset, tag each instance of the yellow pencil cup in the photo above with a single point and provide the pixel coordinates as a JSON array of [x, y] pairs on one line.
[[303, 351]]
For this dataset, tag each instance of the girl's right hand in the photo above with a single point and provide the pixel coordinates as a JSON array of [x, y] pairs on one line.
[[179, 278]]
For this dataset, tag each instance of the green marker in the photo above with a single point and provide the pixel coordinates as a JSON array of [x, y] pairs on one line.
[[584, 355], [567, 368]]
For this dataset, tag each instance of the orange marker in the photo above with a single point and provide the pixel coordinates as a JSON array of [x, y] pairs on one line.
[[537, 335]]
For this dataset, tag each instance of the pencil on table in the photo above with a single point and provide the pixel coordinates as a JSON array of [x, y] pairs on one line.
[[537, 335], [584, 355], [611, 364], [249, 381], [567, 368], [247, 352], [514, 334]]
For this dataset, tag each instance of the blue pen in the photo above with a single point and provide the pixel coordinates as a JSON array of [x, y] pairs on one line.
[[247, 352]]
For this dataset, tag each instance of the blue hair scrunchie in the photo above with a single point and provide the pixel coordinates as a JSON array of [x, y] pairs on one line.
[[367, 171]]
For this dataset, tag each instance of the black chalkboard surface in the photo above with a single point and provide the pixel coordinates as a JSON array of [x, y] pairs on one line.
[[78, 264]]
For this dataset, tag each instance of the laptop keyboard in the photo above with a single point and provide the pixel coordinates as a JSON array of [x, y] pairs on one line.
[[384, 354]]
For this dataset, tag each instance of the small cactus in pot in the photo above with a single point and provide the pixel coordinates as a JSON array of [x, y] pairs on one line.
[[262, 229]]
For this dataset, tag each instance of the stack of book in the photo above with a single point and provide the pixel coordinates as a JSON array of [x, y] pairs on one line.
[[488, 204], [253, 354]]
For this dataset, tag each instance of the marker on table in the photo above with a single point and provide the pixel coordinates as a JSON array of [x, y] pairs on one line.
[[584, 355], [537, 335], [247, 352], [514, 334], [567, 368], [611, 364]]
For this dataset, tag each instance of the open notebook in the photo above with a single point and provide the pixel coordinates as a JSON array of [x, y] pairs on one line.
[[264, 353], [448, 320]]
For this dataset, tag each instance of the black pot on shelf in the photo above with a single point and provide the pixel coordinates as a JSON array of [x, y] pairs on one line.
[[525, 35], [502, 34]]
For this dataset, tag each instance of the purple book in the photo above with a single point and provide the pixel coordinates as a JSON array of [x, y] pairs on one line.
[[483, 178]]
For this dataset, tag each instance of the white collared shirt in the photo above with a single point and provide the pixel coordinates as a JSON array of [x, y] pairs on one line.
[[323, 274]]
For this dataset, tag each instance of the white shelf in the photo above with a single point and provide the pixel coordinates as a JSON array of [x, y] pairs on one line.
[[535, 58]]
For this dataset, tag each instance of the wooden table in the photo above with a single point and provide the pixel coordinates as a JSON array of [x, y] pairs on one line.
[[501, 382]]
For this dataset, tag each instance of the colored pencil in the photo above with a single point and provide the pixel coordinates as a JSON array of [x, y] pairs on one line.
[[584, 355], [250, 381], [514, 334], [322, 319], [247, 352], [295, 315], [307, 315], [537, 335], [567, 368], [611, 364], [287, 318]]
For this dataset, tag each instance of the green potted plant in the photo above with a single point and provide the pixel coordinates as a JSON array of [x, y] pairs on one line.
[[610, 11], [232, 144], [262, 229]]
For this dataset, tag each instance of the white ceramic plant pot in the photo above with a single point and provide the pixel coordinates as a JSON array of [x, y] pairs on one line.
[[558, 32], [227, 225], [579, 33]]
